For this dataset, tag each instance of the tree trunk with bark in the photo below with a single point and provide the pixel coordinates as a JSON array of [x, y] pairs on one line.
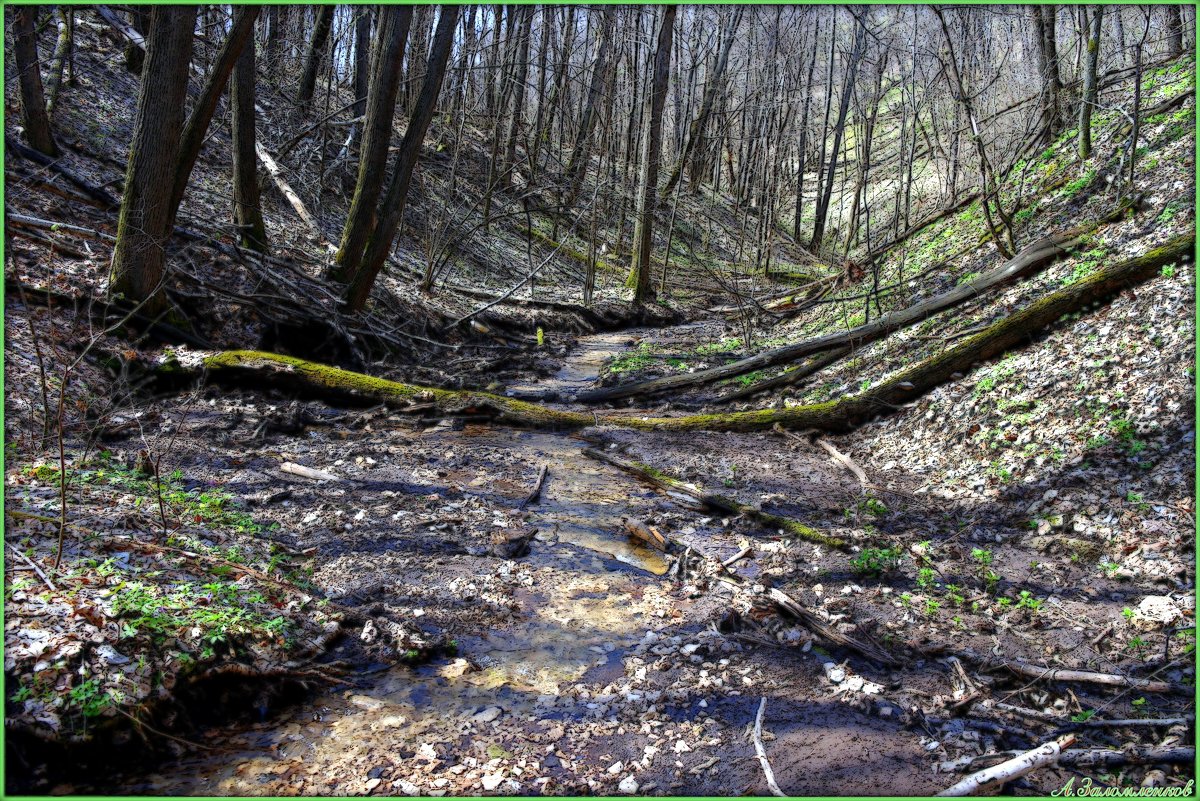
[[392, 210], [147, 216], [390, 38], [247, 205], [312, 60], [643, 234], [34, 118], [1088, 101]]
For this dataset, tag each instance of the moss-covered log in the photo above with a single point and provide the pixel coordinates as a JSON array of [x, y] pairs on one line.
[[1029, 261], [258, 369], [721, 503]]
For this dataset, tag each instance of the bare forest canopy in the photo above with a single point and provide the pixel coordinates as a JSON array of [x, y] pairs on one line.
[[532, 385]]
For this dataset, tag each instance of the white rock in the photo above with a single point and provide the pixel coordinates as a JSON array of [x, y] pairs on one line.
[[616, 768], [491, 781], [488, 715], [628, 785], [1157, 609]]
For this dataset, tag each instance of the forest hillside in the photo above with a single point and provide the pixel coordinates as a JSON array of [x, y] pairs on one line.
[[644, 400]]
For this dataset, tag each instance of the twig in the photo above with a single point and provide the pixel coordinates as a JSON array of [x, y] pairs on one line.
[[846, 461], [33, 565], [993, 777], [762, 752], [737, 557], [536, 492], [152, 730]]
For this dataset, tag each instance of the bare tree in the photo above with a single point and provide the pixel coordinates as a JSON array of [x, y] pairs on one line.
[[315, 53], [1088, 101], [643, 234], [247, 206], [146, 216], [34, 118], [392, 210]]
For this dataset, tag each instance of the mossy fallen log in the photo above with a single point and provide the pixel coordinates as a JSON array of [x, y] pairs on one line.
[[1029, 261], [260, 370], [720, 503]]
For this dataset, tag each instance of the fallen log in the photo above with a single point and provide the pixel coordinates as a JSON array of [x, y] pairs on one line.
[[310, 473], [1029, 261], [1092, 677], [720, 503], [95, 193], [790, 378], [996, 776], [269, 369]]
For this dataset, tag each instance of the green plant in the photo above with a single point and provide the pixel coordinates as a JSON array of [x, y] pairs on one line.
[[1137, 500], [931, 607], [1083, 716], [1025, 600], [982, 556], [876, 561], [89, 698], [541, 337], [925, 578]]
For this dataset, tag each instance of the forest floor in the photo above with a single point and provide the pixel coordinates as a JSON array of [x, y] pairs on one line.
[[381, 629]]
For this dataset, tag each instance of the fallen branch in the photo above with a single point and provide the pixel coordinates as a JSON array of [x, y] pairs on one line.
[[41, 574], [536, 492], [846, 462], [788, 379], [998, 775], [1029, 261], [269, 369], [823, 629], [276, 174], [1091, 677], [95, 193], [719, 502], [762, 752], [308, 472], [646, 534]]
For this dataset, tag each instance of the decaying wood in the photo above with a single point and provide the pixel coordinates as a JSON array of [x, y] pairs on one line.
[[95, 193], [1029, 261], [841, 415], [818, 626], [762, 752], [646, 534], [994, 777], [276, 174], [721, 503], [1092, 677], [788, 379], [536, 492], [308, 472]]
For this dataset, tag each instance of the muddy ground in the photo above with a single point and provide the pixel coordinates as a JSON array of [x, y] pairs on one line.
[[587, 666]]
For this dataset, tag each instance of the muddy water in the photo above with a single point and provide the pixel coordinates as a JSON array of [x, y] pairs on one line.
[[583, 594]]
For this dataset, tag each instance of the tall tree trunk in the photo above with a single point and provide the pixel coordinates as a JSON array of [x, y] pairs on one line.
[[519, 80], [139, 17], [147, 217], [581, 153], [390, 37], [714, 83], [197, 122], [1088, 101], [643, 233], [1174, 30], [362, 69], [62, 51], [312, 61], [802, 160], [1045, 22], [822, 210], [247, 206], [33, 102], [392, 210]]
